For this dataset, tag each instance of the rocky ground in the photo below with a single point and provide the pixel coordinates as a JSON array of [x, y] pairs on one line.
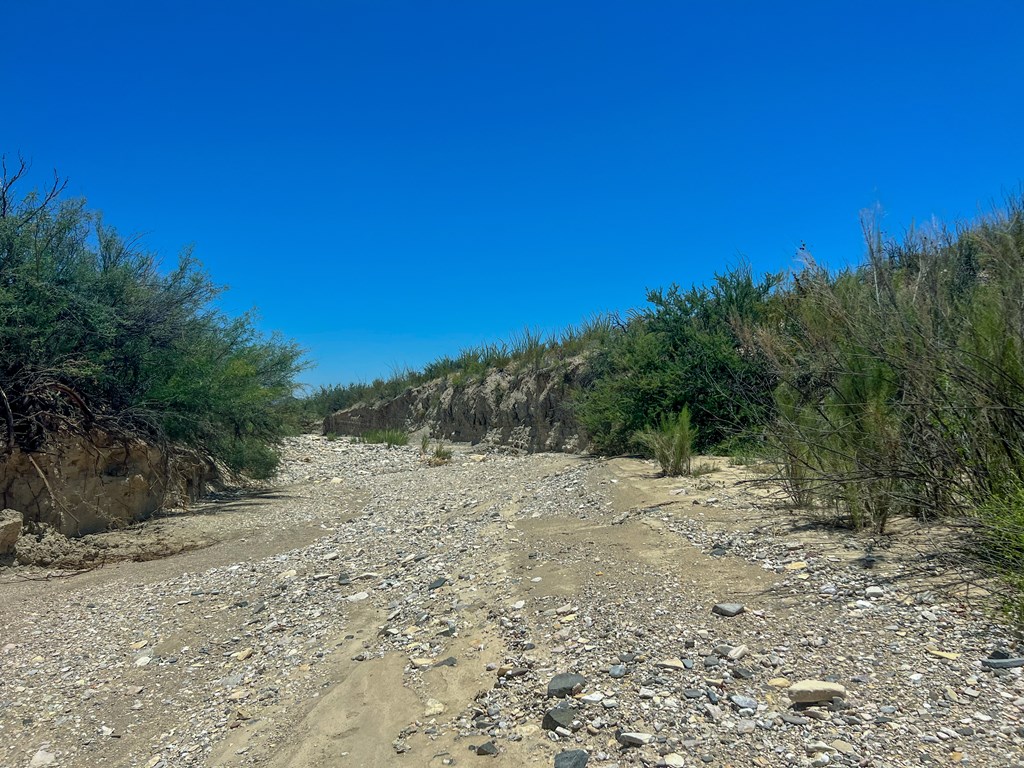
[[504, 610]]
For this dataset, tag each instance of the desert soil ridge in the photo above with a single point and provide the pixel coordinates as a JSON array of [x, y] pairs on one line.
[[504, 610]]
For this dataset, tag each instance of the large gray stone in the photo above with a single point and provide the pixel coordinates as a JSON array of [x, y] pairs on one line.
[[11, 522], [566, 684], [559, 717], [573, 758]]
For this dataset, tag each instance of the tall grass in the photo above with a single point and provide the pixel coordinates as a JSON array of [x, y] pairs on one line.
[[388, 437], [671, 442], [901, 382]]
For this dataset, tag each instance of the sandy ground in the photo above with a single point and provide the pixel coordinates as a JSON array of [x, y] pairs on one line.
[[501, 529]]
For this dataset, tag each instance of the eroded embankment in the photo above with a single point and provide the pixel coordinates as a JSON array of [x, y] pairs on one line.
[[529, 409]]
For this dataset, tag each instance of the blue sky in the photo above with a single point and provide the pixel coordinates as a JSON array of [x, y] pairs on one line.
[[389, 181]]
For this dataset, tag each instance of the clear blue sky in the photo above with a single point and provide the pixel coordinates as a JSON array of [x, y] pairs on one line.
[[389, 181]]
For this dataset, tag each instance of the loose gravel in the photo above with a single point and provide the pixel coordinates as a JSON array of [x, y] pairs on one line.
[[537, 610]]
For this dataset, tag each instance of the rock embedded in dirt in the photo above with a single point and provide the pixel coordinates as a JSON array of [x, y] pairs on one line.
[[635, 739], [1008, 663], [573, 758], [728, 609], [815, 691], [565, 684], [560, 716], [11, 521], [487, 748]]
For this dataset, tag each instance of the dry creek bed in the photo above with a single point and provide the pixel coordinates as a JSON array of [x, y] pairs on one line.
[[504, 610]]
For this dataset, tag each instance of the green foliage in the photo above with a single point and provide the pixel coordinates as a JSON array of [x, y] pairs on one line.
[[94, 332], [684, 350], [389, 437], [901, 382], [671, 442]]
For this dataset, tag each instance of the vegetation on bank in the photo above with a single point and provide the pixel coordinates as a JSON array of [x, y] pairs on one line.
[[95, 333], [893, 388]]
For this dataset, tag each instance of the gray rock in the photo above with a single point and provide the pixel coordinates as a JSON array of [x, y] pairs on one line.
[[560, 716], [634, 739], [10, 529], [565, 684], [487, 748], [437, 583], [617, 670], [728, 609], [573, 758], [1002, 663], [743, 702], [745, 726]]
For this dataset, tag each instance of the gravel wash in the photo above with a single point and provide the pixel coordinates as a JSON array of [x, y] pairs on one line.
[[507, 610]]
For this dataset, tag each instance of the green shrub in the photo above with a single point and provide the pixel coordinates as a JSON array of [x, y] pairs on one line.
[[95, 332], [685, 349], [671, 443]]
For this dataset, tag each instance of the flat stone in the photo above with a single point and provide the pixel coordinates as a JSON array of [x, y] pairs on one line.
[[676, 664], [573, 758], [815, 691], [617, 670], [728, 609], [674, 760], [634, 739], [560, 716], [737, 653], [1002, 663], [437, 584], [41, 758], [743, 702], [844, 747], [874, 592], [565, 684]]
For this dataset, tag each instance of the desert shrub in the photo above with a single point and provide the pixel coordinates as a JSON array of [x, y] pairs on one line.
[[683, 350], [671, 442], [94, 331], [901, 382]]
